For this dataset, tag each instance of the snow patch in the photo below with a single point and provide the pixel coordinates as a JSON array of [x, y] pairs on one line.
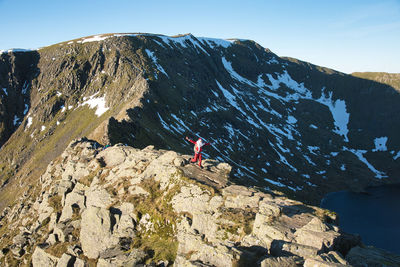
[[291, 120], [339, 113], [26, 109], [95, 38], [29, 123], [380, 144], [5, 91], [343, 167], [212, 42], [155, 61], [360, 156], [99, 103], [313, 149], [43, 128], [15, 50], [164, 124], [274, 182], [309, 160], [287, 80], [283, 160], [25, 88], [313, 126], [234, 74], [311, 184], [260, 81], [397, 156], [16, 120]]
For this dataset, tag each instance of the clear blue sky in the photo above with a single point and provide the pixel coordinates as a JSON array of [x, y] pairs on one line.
[[353, 35]]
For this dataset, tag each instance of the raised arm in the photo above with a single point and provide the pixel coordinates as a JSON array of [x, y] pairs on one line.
[[190, 140]]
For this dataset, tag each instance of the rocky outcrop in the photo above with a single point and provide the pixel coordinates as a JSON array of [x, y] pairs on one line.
[[122, 206]]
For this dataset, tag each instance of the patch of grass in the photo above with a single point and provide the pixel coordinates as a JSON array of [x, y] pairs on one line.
[[87, 180], [75, 213], [55, 203], [161, 242], [45, 222], [237, 221], [189, 254], [9, 260], [88, 262], [58, 249], [326, 216]]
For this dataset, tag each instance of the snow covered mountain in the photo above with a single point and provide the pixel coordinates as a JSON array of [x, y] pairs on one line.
[[283, 124]]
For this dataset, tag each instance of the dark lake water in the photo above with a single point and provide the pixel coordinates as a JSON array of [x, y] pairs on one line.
[[374, 215]]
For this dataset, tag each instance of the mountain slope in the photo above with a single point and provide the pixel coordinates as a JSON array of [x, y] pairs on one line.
[[392, 79], [282, 123]]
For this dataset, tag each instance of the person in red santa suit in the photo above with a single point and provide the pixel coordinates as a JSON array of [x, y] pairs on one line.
[[198, 147]]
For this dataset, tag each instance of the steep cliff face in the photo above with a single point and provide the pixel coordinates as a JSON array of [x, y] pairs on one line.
[[281, 123], [123, 206], [17, 69], [71, 90]]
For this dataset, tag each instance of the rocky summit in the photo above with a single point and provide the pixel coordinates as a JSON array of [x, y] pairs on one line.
[[283, 124], [123, 206]]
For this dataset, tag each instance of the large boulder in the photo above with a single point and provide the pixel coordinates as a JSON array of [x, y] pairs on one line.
[[112, 156], [96, 231], [73, 200], [317, 234], [41, 258], [97, 196], [280, 262], [370, 256]]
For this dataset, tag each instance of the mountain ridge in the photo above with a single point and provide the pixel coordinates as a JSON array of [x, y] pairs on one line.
[[236, 94]]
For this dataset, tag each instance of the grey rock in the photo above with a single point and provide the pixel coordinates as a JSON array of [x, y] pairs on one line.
[[73, 199], [96, 232], [65, 260], [282, 248], [53, 221], [52, 239], [326, 259], [281, 262], [225, 167], [64, 186], [112, 156], [40, 258], [317, 234], [132, 258], [179, 162], [20, 240], [98, 197], [74, 250], [371, 257], [17, 251], [79, 263]]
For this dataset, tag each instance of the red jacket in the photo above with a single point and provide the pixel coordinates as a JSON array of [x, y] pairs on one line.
[[197, 148]]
